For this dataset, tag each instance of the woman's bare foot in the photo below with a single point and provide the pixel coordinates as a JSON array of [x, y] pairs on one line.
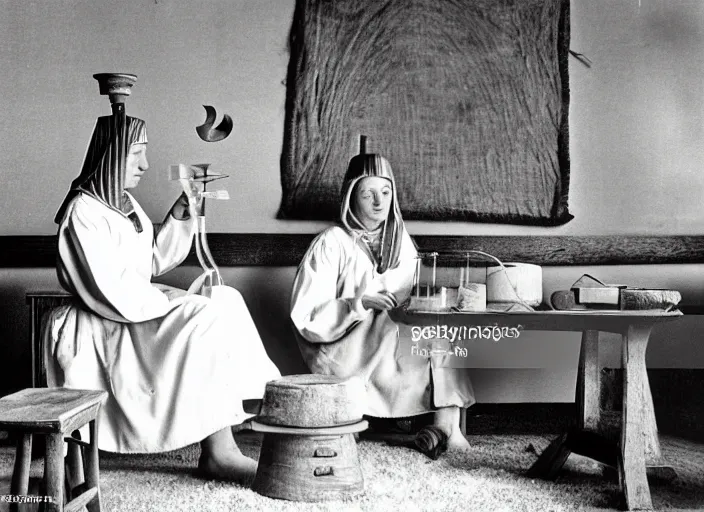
[[457, 442], [448, 420], [221, 459], [230, 467]]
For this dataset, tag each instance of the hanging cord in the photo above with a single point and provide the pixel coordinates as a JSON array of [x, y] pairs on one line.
[[505, 272]]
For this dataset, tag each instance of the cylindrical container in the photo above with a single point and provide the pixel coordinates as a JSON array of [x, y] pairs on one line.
[[515, 282], [449, 297], [308, 467], [471, 297]]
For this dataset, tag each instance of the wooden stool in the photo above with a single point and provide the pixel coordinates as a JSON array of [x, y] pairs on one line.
[[54, 412]]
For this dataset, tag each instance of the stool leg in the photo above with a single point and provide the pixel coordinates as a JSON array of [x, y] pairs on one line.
[[20, 473], [74, 464], [92, 477], [54, 472]]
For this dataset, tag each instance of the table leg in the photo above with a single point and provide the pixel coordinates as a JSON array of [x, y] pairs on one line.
[[655, 463], [631, 464], [588, 382], [587, 400], [552, 459]]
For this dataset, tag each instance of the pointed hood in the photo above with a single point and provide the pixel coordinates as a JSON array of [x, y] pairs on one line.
[[364, 166]]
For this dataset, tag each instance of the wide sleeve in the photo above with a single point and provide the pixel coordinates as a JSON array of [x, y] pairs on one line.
[[172, 243], [104, 272], [319, 315]]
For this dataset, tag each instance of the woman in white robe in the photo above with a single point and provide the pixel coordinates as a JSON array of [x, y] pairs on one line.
[[177, 367], [350, 278]]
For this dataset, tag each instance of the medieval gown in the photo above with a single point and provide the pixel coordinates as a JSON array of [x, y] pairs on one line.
[[338, 336], [176, 366]]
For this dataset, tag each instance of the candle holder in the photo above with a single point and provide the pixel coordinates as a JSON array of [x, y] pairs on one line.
[[457, 281], [188, 175], [117, 86], [433, 287]]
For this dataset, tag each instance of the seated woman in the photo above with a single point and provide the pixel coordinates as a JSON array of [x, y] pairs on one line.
[[177, 367], [350, 278]]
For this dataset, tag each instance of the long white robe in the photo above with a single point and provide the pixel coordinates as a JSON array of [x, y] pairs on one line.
[[338, 336], [176, 366]]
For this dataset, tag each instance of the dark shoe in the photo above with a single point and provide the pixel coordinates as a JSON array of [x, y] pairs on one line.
[[431, 441]]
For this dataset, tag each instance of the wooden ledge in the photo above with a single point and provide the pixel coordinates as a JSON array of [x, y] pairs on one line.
[[281, 249]]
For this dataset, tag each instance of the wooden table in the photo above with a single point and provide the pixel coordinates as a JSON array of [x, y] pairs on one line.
[[636, 449]]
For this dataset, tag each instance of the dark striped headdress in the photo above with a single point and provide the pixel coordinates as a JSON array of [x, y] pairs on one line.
[[103, 173]]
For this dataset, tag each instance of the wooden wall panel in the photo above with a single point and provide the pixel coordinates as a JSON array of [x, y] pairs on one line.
[[274, 249]]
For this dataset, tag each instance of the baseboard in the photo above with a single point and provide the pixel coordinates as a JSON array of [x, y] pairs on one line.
[[678, 400], [520, 418]]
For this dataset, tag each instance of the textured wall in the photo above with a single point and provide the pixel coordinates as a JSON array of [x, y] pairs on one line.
[[636, 116], [636, 127]]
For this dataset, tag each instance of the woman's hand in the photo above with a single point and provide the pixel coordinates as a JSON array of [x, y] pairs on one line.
[[180, 209], [382, 301], [191, 192]]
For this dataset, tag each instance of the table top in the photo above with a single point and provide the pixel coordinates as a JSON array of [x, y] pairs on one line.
[[552, 312], [617, 321]]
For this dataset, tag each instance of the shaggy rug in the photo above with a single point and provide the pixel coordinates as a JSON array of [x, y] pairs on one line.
[[488, 478]]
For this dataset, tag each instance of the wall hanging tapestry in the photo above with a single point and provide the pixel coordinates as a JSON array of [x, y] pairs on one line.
[[468, 99]]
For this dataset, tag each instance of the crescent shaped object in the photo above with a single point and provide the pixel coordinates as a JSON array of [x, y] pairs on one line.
[[207, 132]]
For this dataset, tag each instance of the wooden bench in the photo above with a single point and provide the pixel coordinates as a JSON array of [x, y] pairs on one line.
[[41, 302]]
